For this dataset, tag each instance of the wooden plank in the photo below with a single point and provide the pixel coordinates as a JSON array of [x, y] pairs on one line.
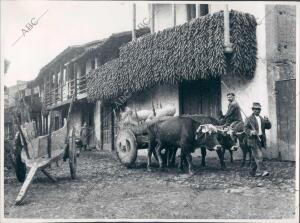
[[49, 135], [53, 179], [26, 185]]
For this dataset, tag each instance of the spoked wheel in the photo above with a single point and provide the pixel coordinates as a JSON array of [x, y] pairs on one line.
[[20, 167], [126, 147], [72, 154]]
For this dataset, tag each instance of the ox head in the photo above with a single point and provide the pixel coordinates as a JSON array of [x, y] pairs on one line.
[[229, 138], [207, 135]]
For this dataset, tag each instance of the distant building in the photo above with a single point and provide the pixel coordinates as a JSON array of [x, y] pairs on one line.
[[11, 98]]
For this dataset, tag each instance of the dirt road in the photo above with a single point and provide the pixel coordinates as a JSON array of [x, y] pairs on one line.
[[105, 189]]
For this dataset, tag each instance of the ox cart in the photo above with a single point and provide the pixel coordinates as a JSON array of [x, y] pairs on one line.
[[131, 138], [38, 152]]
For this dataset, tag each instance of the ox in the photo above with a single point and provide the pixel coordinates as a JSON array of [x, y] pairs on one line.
[[229, 139], [184, 133]]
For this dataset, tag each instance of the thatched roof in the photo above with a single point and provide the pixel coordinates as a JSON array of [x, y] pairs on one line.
[[194, 50]]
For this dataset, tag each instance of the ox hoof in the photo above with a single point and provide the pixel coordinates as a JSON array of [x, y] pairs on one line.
[[149, 169], [180, 170], [161, 169], [223, 168], [191, 173]]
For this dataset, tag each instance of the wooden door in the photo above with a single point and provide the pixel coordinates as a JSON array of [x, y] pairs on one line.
[[286, 118], [200, 97], [107, 127]]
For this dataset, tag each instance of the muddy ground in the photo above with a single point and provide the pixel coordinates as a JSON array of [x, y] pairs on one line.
[[106, 189]]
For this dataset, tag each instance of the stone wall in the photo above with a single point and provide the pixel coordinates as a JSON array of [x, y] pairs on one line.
[[280, 57]]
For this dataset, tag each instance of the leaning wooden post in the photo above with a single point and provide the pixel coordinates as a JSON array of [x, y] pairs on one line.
[[26, 184]]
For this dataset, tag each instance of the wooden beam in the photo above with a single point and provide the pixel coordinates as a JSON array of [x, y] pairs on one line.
[[198, 11], [61, 81], [133, 21], [75, 79], [53, 179], [26, 185], [49, 135], [56, 85], [101, 126], [151, 17], [174, 14]]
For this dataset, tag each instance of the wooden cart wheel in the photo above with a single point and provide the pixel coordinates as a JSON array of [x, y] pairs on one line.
[[126, 147], [72, 154], [20, 167]]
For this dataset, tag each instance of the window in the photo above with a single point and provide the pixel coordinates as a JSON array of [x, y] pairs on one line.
[[93, 63], [98, 62], [191, 11], [83, 69]]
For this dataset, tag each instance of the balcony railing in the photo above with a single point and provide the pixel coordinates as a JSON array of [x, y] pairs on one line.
[[65, 92]]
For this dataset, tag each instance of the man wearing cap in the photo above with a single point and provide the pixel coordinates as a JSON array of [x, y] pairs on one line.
[[255, 127], [233, 113]]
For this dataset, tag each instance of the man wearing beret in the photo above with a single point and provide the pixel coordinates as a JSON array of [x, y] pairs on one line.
[[255, 127]]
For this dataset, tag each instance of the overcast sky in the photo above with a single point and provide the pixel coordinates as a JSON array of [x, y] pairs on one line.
[[65, 23]]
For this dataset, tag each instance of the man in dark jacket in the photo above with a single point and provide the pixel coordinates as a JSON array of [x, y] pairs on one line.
[[233, 113], [84, 136], [255, 127]]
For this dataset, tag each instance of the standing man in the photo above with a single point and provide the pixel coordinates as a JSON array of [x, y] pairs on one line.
[[255, 127], [233, 113], [84, 136]]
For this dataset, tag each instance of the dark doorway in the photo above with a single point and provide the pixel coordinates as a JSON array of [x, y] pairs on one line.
[[107, 129], [56, 123], [286, 118], [87, 116], [200, 97]]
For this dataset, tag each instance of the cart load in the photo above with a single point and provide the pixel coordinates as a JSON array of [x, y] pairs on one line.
[[132, 134]]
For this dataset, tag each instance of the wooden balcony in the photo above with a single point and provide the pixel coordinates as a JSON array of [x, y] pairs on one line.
[[64, 93]]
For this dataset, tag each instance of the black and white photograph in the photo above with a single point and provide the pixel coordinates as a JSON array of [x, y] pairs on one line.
[[158, 111]]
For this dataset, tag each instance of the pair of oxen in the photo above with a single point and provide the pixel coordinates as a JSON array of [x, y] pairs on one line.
[[191, 132]]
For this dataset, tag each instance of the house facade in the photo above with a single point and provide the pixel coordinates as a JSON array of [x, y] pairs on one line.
[[273, 75], [64, 79]]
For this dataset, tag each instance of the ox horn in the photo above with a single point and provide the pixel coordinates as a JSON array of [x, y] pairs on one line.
[[199, 128], [239, 133]]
